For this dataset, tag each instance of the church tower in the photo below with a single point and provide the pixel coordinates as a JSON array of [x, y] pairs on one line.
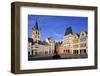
[[36, 33]]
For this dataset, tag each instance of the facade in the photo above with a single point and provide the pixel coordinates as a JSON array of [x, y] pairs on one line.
[[51, 42], [72, 44], [59, 48], [83, 42], [30, 46], [76, 44], [68, 43], [40, 49]]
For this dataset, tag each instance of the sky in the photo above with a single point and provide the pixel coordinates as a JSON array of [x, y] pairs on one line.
[[55, 26]]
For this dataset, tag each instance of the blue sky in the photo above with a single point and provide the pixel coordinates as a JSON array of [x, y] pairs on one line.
[[55, 26]]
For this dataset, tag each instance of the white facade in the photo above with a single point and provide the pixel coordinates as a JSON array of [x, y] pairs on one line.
[[83, 42], [51, 43], [29, 48], [39, 49]]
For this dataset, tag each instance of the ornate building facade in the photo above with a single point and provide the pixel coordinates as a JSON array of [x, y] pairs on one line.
[[66, 46], [72, 44], [76, 44], [68, 43], [51, 42], [83, 42]]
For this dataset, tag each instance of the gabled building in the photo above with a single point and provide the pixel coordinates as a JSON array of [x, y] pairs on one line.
[[51, 42], [40, 49], [68, 41], [83, 42]]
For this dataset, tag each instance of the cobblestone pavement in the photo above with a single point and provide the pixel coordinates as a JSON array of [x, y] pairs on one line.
[[51, 57]]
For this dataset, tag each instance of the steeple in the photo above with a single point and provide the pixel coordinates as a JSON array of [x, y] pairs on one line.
[[36, 26], [68, 30]]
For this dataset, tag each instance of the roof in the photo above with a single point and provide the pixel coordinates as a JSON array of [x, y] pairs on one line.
[[39, 42], [36, 26], [58, 43], [42, 43], [68, 30], [77, 34], [30, 39], [51, 38], [84, 31]]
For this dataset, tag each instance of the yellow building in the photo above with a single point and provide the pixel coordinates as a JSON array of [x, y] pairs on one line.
[[76, 44], [70, 43], [35, 33]]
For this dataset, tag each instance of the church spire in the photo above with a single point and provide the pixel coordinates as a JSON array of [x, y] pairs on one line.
[[36, 25]]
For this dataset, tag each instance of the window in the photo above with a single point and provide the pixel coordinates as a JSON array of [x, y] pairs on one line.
[[68, 51], [83, 45], [49, 52], [77, 51], [32, 52], [75, 46], [36, 53], [46, 52], [73, 51], [82, 34], [85, 51], [28, 52]]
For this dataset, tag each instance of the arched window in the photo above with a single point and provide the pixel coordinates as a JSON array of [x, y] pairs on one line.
[[28, 52], [77, 51]]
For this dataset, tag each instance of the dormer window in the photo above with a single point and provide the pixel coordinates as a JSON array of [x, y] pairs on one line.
[[82, 34]]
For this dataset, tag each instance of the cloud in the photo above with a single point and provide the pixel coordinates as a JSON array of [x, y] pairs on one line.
[[57, 34]]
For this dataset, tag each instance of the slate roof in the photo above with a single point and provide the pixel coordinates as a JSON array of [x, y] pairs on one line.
[[36, 26], [42, 43], [68, 31], [30, 39], [77, 34], [39, 42]]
